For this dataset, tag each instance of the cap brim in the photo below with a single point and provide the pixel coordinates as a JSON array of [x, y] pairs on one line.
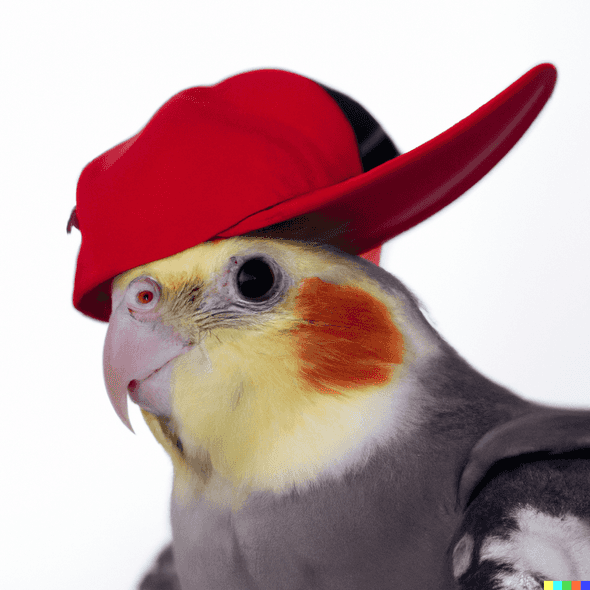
[[364, 211]]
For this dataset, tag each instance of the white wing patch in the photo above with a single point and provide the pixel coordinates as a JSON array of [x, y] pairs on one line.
[[551, 548], [516, 581]]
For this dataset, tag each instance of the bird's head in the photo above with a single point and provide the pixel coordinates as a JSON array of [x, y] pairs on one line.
[[265, 361]]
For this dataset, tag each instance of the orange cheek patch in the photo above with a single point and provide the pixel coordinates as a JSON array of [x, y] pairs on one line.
[[346, 338]]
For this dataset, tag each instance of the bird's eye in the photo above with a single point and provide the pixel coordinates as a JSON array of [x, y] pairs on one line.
[[143, 294], [144, 297], [255, 280]]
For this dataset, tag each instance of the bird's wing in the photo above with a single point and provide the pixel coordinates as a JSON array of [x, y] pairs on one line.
[[525, 493], [162, 575]]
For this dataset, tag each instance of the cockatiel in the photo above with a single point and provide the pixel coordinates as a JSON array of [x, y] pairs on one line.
[[323, 435]]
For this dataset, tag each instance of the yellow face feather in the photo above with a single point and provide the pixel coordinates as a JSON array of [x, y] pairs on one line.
[[278, 397]]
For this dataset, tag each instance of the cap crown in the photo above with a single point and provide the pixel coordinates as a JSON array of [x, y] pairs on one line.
[[208, 159]]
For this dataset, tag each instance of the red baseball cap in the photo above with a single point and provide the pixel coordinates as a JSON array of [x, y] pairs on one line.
[[272, 153]]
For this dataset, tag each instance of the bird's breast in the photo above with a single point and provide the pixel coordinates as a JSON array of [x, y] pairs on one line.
[[344, 534]]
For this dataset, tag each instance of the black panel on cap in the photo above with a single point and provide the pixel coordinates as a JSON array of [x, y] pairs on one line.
[[375, 146]]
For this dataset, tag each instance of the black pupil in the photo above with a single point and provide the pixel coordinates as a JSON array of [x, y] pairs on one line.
[[255, 279]]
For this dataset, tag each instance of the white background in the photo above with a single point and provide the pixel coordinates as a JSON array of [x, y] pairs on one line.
[[504, 271]]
